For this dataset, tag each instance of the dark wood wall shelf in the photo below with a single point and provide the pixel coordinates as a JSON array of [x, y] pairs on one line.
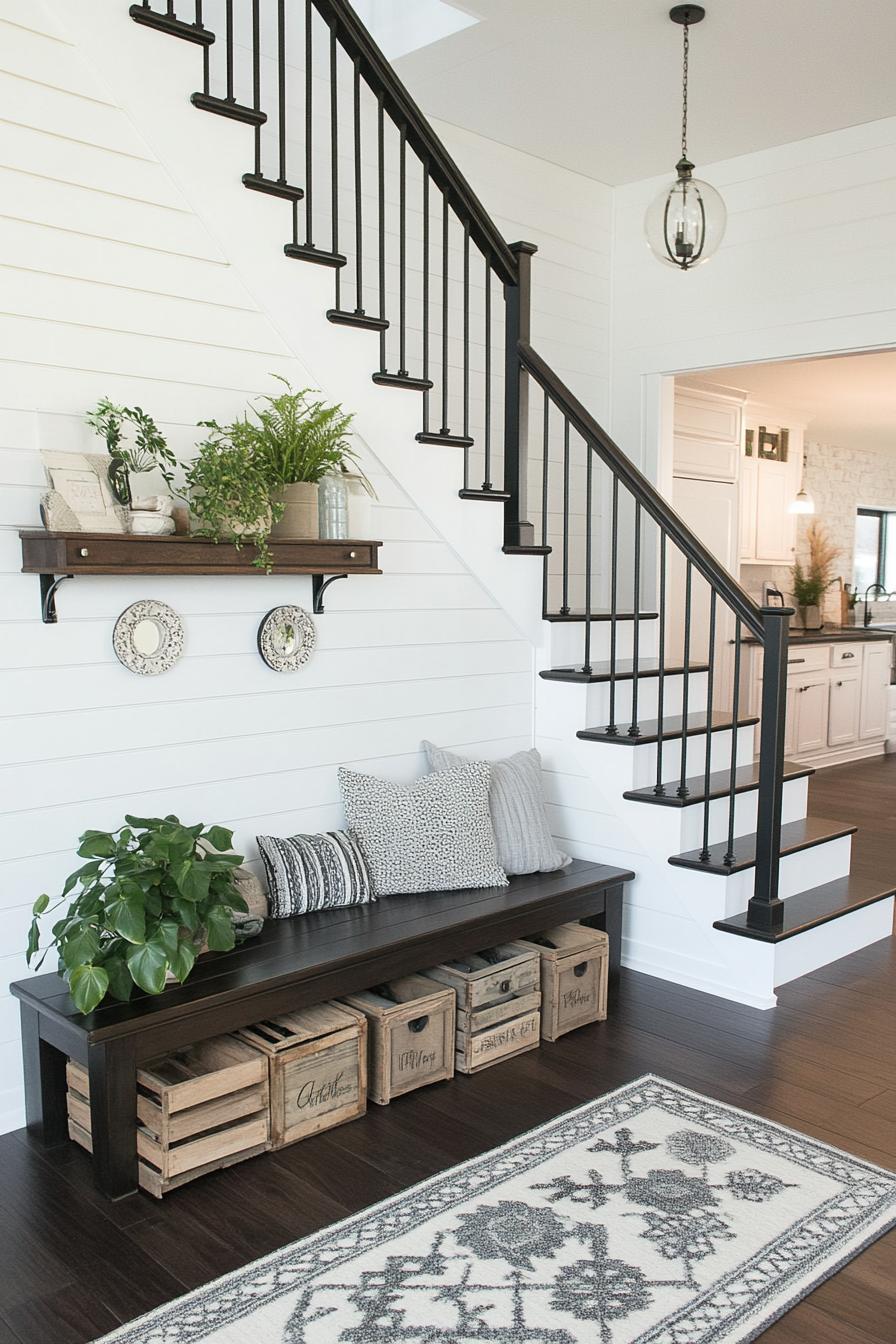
[[56, 556]]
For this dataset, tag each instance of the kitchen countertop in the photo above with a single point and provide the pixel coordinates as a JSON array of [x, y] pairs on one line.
[[835, 634]]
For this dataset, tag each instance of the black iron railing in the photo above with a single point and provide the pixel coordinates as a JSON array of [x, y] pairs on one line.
[[416, 258]]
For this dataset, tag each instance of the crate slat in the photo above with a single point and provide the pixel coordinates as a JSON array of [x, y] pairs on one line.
[[410, 1036], [574, 975]]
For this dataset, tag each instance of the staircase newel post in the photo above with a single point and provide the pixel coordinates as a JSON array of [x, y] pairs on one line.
[[517, 530], [766, 909]]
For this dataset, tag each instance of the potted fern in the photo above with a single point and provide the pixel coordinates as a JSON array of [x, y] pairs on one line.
[[296, 441], [230, 490]]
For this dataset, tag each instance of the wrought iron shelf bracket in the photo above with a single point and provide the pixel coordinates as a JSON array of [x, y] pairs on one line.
[[48, 586], [319, 585]]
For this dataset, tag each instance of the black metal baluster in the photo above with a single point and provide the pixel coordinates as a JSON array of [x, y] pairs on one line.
[[206, 66], [256, 81], [564, 606], [426, 293], [228, 48], [612, 730], [309, 146], [359, 222], [466, 356], [487, 437], [381, 221], [732, 769], [445, 429], [402, 253], [334, 158], [586, 666], [544, 499], [634, 728], [682, 790], [660, 788], [707, 766]]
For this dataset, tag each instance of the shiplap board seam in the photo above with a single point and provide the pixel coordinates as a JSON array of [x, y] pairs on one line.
[[56, 88]]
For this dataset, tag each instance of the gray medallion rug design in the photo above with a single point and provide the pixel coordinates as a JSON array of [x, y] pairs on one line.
[[652, 1215]]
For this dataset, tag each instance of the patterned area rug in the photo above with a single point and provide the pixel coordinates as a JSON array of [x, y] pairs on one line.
[[652, 1215]]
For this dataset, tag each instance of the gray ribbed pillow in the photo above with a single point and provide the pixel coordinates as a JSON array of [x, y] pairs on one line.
[[522, 834], [434, 835]]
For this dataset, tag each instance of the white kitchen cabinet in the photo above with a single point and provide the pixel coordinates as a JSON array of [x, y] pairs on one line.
[[810, 731], [875, 691], [837, 701], [708, 434], [843, 709], [767, 490]]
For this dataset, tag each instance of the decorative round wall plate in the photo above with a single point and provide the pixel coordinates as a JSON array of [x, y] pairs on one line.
[[286, 638], [148, 638]]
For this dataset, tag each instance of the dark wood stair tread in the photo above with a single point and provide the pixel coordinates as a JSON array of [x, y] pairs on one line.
[[365, 321], [623, 671], [795, 836], [526, 550], [673, 727], [228, 107], [811, 908], [559, 617], [167, 23], [403, 380], [449, 440], [319, 255], [500, 495], [746, 778], [272, 186]]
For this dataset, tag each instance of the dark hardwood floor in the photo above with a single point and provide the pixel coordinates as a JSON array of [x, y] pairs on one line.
[[823, 1061]]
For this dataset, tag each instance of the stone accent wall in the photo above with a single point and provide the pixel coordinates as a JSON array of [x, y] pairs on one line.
[[841, 480]]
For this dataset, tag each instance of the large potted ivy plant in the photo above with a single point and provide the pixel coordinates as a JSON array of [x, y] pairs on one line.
[[149, 897]]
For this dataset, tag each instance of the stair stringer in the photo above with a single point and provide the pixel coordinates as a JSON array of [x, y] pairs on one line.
[[667, 929], [206, 156]]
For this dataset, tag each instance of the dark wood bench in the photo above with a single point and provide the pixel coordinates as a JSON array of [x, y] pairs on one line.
[[291, 964]]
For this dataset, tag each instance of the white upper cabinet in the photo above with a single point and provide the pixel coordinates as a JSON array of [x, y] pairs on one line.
[[708, 434], [768, 487]]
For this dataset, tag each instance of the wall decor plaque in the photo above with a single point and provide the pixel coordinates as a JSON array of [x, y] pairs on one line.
[[286, 638], [82, 481], [148, 638]]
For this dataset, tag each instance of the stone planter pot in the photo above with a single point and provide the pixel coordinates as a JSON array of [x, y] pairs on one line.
[[300, 514], [810, 618]]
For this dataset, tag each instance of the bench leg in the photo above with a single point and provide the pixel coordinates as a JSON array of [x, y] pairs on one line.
[[112, 1072], [610, 920], [44, 1068]]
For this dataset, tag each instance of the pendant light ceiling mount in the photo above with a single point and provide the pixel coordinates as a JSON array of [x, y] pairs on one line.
[[685, 224]]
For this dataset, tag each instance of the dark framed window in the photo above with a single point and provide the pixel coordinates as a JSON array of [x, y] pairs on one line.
[[875, 555]]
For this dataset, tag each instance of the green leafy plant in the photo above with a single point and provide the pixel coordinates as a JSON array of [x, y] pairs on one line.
[[297, 439], [149, 450], [230, 491], [812, 579], [148, 897]]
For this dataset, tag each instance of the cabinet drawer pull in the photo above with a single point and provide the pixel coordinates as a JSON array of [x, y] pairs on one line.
[[353, 555], [844, 656], [84, 553], [796, 660]]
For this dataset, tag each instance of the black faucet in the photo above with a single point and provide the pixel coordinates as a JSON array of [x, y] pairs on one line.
[[872, 588]]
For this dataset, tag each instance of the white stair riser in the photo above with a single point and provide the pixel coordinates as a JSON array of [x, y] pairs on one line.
[[569, 706], [797, 873], [692, 749], [564, 641], [673, 830], [828, 942]]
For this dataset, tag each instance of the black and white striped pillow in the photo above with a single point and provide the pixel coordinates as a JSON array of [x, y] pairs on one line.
[[314, 872]]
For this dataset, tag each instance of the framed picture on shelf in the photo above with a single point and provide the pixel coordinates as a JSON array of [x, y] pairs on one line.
[[81, 480]]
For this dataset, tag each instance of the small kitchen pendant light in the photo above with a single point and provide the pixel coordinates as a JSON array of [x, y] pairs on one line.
[[685, 223]]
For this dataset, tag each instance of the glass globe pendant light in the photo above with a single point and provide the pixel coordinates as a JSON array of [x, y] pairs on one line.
[[685, 224]]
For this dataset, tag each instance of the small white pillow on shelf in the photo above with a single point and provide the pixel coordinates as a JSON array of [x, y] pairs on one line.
[[434, 835], [516, 799]]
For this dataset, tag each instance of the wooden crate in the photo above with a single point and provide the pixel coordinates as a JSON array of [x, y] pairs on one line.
[[410, 1024], [318, 1069], [574, 965], [498, 1000], [475, 1050], [199, 1109]]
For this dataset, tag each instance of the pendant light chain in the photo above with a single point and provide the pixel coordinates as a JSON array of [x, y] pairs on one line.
[[684, 92]]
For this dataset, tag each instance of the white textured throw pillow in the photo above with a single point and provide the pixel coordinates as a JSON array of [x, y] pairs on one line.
[[435, 835], [522, 834]]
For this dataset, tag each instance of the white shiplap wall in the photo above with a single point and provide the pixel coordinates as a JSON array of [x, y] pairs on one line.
[[114, 283]]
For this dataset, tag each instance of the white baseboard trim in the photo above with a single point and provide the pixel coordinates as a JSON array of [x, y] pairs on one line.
[[637, 961], [859, 752]]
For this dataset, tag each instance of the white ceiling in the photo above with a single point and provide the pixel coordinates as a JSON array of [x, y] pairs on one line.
[[595, 85], [848, 400]]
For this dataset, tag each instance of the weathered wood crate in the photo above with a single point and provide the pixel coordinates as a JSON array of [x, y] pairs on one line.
[[498, 1000], [574, 965], [410, 1024], [318, 1069], [199, 1109]]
